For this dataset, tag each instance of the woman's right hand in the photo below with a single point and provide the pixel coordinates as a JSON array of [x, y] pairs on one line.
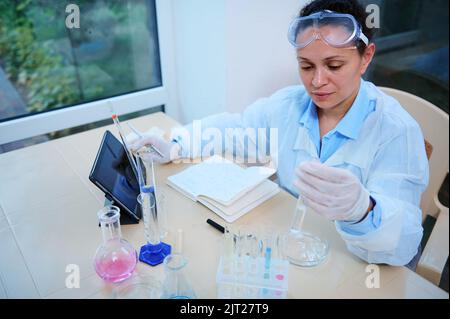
[[169, 150]]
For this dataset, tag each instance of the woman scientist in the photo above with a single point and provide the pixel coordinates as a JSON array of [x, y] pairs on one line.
[[351, 151]]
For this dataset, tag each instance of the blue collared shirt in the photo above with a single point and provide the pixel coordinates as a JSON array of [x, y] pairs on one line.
[[377, 140], [347, 129]]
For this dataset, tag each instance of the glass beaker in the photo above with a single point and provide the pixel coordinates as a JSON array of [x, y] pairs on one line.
[[176, 285], [302, 248], [115, 259]]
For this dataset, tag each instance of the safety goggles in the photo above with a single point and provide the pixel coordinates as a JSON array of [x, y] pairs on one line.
[[336, 29]]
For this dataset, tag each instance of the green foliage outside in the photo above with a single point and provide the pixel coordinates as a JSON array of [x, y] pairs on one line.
[[43, 77], [52, 66]]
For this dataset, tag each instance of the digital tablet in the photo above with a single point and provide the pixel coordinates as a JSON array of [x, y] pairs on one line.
[[113, 174]]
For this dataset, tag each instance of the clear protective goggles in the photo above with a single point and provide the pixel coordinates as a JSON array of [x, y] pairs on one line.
[[336, 29]]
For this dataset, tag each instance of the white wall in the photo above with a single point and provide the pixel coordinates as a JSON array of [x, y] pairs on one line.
[[260, 60], [199, 28], [231, 52]]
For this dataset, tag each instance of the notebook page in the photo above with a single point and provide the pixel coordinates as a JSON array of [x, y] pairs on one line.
[[220, 180], [230, 213], [254, 195]]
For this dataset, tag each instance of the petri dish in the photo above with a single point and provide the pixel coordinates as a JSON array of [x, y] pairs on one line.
[[304, 249], [140, 287]]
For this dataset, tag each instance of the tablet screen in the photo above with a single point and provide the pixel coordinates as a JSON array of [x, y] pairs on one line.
[[112, 172]]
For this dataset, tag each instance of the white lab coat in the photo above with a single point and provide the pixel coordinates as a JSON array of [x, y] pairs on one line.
[[388, 157]]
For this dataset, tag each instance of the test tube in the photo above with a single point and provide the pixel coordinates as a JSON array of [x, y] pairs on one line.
[[239, 256], [268, 250], [228, 247], [299, 216], [267, 261]]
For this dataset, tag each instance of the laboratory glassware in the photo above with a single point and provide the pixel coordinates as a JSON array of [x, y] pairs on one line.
[[250, 266], [300, 247], [161, 207], [176, 285], [154, 252], [115, 259], [140, 286]]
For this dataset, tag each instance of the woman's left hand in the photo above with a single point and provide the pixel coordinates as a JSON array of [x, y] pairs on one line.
[[332, 192]]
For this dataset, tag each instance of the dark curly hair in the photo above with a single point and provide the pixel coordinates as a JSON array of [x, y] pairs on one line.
[[352, 7]]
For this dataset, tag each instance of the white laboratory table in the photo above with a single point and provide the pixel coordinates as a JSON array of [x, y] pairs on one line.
[[48, 220]]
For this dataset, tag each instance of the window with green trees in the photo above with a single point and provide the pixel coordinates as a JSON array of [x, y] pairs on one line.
[[44, 65]]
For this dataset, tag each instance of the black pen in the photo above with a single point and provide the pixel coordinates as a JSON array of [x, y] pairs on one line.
[[215, 225]]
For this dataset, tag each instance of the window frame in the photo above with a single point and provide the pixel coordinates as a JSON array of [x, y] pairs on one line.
[[84, 113]]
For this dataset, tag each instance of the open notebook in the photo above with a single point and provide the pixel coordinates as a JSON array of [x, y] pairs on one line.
[[224, 187]]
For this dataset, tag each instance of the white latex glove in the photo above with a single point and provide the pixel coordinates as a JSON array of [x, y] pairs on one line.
[[132, 137], [334, 193], [169, 150]]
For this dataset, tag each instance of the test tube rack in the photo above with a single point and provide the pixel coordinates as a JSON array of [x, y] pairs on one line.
[[247, 277]]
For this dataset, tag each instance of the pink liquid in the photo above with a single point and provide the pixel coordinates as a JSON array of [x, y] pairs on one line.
[[116, 267]]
